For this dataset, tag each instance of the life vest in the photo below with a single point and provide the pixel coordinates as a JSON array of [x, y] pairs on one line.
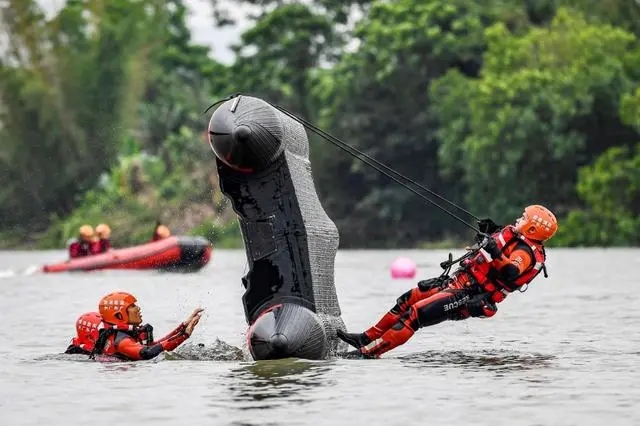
[[486, 275], [104, 245], [82, 248], [111, 335]]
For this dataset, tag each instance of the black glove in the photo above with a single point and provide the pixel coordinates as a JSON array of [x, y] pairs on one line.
[[480, 300], [492, 248], [488, 226], [431, 283], [477, 305]]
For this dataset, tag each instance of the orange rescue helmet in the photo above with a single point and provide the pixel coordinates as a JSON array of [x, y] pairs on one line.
[[86, 232], [537, 223], [87, 327], [113, 308], [103, 230], [163, 231]]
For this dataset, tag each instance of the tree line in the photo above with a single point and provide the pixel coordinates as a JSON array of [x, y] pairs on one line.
[[493, 106]]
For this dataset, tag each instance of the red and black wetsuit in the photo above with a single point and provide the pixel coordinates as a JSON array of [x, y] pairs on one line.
[[133, 345], [472, 291]]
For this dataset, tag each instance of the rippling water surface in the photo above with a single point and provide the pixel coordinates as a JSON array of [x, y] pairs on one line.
[[566, 352]]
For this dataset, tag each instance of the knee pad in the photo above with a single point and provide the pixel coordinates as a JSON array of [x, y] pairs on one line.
[[402, 303], [409, 319]]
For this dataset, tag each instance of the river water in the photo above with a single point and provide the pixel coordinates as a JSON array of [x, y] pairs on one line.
[[566, 352]]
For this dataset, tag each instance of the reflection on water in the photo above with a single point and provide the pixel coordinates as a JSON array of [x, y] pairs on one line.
[[498, 361], [286, 381]]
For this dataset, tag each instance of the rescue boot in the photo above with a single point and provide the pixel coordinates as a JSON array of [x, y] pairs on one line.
[[358, 340], [397, 335]]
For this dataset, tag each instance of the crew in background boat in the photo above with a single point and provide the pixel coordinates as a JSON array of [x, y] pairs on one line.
[[125, 337], [161, 232], [87, 327], [85, 244], [103, 232]]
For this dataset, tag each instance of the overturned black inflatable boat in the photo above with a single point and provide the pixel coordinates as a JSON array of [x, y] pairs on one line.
[[263, 164]]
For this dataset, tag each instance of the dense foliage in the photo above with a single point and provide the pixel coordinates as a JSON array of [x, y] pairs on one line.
[[493, 106]]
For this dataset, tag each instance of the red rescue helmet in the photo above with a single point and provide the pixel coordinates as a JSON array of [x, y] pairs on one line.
[[103, 231], [537, 223], [162, 231], [87, 328], [113, 308], [86, 233]]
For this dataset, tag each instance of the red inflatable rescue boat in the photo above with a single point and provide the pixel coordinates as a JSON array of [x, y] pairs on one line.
[[174, 254]]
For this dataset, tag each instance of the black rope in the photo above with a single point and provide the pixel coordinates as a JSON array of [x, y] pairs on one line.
[[373, 163]]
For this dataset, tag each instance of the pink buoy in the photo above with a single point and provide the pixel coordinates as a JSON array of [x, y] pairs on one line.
[[403, 267]]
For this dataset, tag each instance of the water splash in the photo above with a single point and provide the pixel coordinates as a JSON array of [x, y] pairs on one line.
[[31, 270], [6, 273], [217, 351]]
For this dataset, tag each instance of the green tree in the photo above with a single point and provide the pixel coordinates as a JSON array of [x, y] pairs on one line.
[[621, 13], [610, 188], [378, 100], [341, 12], [630, 109], [276, 56], [546, 102], [68, 88], [182, 80]]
